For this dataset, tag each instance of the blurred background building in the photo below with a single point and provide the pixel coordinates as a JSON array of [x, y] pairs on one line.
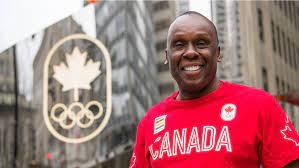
[[258, 44], [9, 129], [7, 101], [257, 40], [164, 13], [183, 6], [126, 28]]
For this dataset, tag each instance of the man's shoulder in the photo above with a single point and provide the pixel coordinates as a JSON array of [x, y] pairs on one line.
[[248, 91]]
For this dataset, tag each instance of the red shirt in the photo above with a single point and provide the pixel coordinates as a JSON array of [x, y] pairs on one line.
[[233, 126]]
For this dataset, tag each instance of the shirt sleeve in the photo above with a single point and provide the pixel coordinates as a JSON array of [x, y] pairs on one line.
[[279, 141], [139, 157]]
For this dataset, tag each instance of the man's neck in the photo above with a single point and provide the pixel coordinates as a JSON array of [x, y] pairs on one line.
[[187, 95]]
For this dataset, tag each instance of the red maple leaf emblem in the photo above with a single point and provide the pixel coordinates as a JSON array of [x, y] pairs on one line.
[[229, 109]]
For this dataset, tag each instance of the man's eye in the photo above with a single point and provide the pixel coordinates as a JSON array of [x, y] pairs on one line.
[[179, 44], [201, 42]]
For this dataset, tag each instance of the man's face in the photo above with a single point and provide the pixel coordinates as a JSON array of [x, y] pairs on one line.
[[192, 52]]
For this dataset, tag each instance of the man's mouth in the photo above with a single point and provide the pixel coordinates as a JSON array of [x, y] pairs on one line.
[[192, 68]]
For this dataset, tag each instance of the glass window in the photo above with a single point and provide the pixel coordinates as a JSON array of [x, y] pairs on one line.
[[162, 25], [290, 53], [134, 90], [273, 35], [265, 79], [140, 21], [296, 59], [284, 46], [278, 41], [283, 89], [277, 85], [160, 5], [260, 24], [161, 45], [290, 10]]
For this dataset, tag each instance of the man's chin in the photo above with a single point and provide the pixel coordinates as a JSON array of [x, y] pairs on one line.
[[192, 86]]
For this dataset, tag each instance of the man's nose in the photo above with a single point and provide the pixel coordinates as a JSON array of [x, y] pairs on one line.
[[190, 52]]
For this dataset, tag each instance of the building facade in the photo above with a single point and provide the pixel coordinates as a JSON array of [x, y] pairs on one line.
[[7, 101], [182, 6], [164, 14], [126, 30], [258, 44], [15, 117]]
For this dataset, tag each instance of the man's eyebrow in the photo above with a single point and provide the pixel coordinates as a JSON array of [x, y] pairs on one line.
[[199, 33]]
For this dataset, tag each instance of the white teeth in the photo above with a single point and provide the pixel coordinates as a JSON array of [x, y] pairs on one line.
[[191, 68]]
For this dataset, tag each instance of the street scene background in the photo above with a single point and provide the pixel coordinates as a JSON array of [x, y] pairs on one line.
[[258, 45]]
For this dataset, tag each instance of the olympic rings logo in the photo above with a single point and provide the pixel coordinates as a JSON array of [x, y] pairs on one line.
[[77, 114], [76, 118]]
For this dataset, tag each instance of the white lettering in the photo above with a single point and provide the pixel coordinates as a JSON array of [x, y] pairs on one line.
[[179, 141], [193, 141], [184, 143], [153, 153], [165, 146], [204, 143], [224, 140]]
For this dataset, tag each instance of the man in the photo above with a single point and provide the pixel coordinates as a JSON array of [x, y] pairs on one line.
[[211, 123]]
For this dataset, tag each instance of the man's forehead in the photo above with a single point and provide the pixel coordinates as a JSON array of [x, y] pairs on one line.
[[191, 21]]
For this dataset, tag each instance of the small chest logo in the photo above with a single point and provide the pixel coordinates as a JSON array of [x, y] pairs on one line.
[[228, 112], [159, 124]]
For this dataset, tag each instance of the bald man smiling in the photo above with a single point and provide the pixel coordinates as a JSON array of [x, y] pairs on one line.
[[209, 122]]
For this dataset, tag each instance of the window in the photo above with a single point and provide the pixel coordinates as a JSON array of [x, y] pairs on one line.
[[295, 19], [290, 53], [273, 36], [282, 87], [265, 79], [1, 67], [284, 46], [162, 24], [290, 11], [278, 41], [161, 5], [285, 8], [161, 45], [295, 56], [294, 11], [277, 85], [260, 24]]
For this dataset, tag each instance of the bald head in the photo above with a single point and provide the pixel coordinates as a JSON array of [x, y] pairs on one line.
[[197, 18]]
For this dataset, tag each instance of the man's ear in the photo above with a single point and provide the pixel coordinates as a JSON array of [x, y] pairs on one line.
[[166, 56], [219, 55]]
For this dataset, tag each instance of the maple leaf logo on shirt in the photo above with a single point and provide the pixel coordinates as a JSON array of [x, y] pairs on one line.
[[77, 74], [229, 109], [288, 133]]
